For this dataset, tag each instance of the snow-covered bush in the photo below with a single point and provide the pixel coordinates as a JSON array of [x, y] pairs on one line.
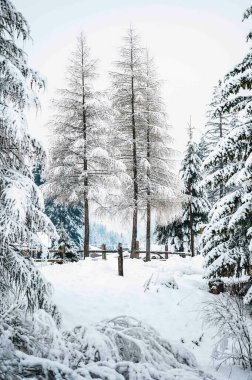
[[234, 323], [66, 247], [163, 279], [122, 348]]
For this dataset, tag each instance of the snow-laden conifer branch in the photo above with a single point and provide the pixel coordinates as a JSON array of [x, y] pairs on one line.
[[22, 221]]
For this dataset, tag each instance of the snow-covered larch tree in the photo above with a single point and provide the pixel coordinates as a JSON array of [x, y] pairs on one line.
[[81, 166], [22, 220], [158, 182], [127, 103], [227, 239]]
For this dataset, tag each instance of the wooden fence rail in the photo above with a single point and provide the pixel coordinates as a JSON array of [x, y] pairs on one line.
[[103, 251]]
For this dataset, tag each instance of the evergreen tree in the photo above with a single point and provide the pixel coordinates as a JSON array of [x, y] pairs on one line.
[[227, 239], [172, 234], [184, 230], [203, 147], [67, 250], [69, 217], [81, 166], [218, 122], [215, 129], [196, 208], [21, 204]]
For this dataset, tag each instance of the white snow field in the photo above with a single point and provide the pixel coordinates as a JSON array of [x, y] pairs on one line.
[[167, 295]]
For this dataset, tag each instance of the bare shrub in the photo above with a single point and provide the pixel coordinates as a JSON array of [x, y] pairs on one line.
[[234, 323]]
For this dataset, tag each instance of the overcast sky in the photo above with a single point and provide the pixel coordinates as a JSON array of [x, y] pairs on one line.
[[194, 43]]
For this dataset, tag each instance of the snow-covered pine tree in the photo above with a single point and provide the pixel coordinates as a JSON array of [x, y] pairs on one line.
[[217, 126], [127, 102], [203, 147], [217, 121], [227, 239], [158, 183], [21, 204], [196, 208], [171, 234], [67, 250], [81, 166], [69, 217], [183, 231]]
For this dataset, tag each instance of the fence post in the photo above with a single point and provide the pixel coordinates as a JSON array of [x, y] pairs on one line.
[[120, 260], [137, 249], [62, 250], [104, 252], [166, 251]]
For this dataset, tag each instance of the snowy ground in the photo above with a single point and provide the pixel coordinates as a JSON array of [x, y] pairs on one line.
[[89, 291]]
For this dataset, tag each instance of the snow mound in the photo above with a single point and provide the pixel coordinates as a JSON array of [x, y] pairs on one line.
[[167, 280]]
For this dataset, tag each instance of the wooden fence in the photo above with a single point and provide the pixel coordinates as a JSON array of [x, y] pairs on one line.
[[103, 251]]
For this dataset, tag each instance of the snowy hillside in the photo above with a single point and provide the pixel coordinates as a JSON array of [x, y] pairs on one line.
[[167, 295]]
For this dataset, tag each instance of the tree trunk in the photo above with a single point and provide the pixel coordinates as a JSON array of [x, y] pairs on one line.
[[148, 205], [148, 230], [85, 163], [191, 223], [134, 233], [86, 226], [191, 231], [134, 159]]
